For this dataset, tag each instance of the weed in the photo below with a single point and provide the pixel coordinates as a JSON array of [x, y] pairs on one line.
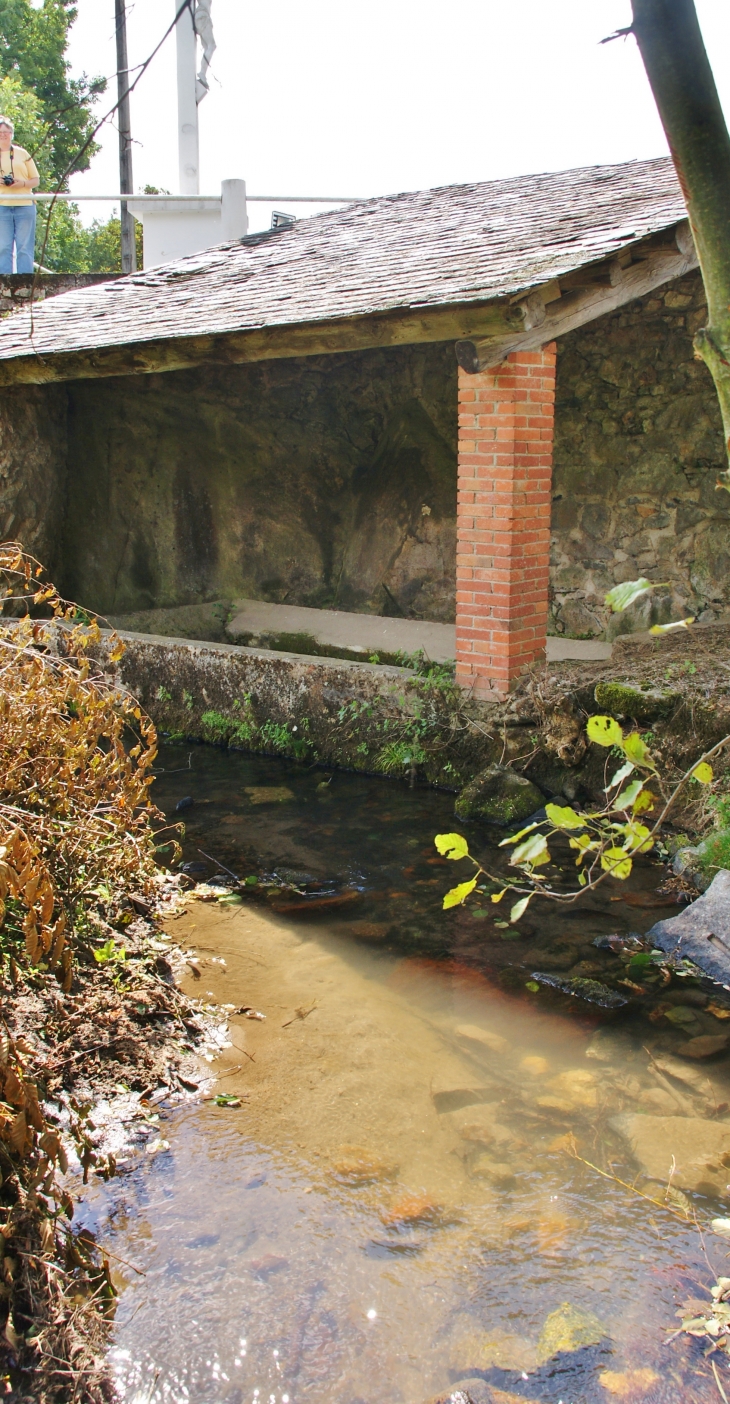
[[400, 755]]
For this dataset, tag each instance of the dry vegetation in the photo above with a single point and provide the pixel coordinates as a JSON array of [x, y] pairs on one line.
[[84, 999]]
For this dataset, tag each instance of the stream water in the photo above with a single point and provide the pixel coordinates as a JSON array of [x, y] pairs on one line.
[[396, 1204]]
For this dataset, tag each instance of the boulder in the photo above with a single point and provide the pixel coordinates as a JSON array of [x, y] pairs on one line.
[[701, 1149], [642, 704], [701, 932], [498, 795]]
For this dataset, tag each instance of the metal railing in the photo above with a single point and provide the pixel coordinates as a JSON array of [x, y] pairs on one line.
[[251, 199]]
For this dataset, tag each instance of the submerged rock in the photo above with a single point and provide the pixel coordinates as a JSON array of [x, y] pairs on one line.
[[354, 1165], [499, 795], [569, 1328], [582, 988], [484, 1038], [699, 1149], [472, 1349], [705, 1046], [496, 1172], [413, 1209], [467, 1392], [701, 933]]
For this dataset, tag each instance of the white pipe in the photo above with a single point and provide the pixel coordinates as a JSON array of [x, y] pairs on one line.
[[234, 216]]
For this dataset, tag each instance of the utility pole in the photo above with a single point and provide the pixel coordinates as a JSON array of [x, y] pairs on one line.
[[187, 105], [126, 185]]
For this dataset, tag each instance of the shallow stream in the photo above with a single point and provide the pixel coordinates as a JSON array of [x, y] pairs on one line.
[[396, 1204]]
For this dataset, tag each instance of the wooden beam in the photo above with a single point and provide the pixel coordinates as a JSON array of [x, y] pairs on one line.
[[493, 320], [574, 309], [528, 320]]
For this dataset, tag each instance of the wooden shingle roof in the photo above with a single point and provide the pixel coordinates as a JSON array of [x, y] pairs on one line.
[[453, 246]]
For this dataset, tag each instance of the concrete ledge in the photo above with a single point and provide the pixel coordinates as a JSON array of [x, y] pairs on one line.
[[323, 632]]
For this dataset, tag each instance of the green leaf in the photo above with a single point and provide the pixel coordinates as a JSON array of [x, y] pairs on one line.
[[519, 908], [620, 775], [621, 596], [616, 861], [533, 986], [645, 801], [703, 773], [582, 878], [459, 894], [638, 839], [678, 624], [227, 1099], [563, 817], [629, 796], [533, 851], [605, 731], [514, 837], [637, 751], [452, 846]]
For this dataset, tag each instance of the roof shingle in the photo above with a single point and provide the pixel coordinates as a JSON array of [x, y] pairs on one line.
[[455, 245]]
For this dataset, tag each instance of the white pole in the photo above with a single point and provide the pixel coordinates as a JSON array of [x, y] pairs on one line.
[[187, 108]]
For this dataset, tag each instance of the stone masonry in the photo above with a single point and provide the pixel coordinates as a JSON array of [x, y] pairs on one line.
[[638, 449]]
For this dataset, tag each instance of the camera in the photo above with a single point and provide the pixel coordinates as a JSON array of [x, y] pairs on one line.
[[8, 180]]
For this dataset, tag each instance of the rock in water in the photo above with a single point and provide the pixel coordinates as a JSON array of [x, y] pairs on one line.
[[355, 1165], [580, 988], [499, 796], [468, 1392], [472, 1033], [701, 932], [700, 1149], [705, 1046], [569, 1328]]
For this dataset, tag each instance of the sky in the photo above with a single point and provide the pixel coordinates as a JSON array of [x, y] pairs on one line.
[[351, 99]]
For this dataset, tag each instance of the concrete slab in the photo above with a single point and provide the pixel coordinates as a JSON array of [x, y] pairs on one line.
[[257, 622]]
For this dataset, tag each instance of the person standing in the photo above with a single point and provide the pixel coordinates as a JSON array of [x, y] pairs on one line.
[[18, 176]]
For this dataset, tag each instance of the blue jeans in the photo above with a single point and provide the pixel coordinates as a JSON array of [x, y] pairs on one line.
[[17, 226]]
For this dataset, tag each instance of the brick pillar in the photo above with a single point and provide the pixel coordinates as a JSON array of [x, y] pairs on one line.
[[503, 520]]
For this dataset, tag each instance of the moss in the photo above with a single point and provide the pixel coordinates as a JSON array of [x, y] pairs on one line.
[[499, 795], [643, 704], [220, 730], [714, 852]]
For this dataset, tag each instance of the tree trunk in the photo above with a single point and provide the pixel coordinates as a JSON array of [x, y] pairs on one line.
[[678, 69]]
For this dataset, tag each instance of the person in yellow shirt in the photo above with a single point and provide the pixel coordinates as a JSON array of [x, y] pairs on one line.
[[18, 176]]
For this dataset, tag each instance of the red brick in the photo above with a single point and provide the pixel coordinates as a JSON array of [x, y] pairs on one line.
[[503, 519]]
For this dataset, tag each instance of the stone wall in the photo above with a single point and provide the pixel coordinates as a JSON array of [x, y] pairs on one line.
[[638, 447], [33, 468], [325, 481], [16, 288]]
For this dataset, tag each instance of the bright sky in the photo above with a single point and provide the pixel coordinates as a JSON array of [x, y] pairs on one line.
[[326, 98]]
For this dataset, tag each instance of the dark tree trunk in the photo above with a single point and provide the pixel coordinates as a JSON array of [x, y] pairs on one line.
[[678, 69]]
